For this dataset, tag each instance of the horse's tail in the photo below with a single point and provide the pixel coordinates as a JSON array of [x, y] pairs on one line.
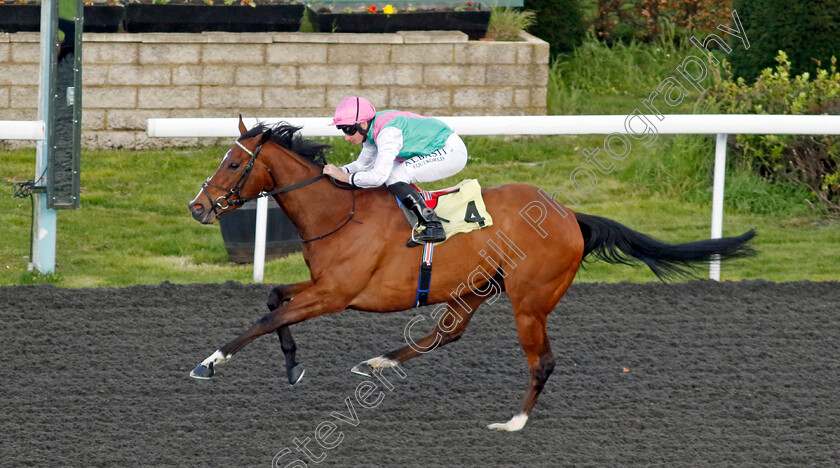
[[614, 243]]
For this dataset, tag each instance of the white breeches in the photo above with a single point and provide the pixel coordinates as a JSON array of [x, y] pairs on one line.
[[440, 164]]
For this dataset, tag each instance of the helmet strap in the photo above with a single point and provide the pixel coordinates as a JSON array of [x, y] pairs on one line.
[[363, 131]]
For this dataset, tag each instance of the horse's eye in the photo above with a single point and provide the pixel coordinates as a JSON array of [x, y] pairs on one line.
[[233, 166]]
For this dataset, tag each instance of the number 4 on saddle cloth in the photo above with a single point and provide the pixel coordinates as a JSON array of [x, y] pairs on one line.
[[460, 209]]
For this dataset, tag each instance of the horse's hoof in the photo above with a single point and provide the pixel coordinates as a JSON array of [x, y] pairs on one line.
[[295, 374], [203, 372], [363, 368]]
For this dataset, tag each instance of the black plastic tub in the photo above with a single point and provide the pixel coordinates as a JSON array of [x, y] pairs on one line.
[[239, 226]]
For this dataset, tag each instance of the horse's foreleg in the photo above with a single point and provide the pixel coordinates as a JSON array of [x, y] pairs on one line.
[[285, 292], [278, 296], [534, 340], [459, 311], [308, 304], [294, 371]]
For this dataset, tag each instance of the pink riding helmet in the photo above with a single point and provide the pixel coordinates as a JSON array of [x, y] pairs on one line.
[[353, 110]]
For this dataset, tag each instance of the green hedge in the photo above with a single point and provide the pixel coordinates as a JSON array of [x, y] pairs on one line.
[[811, 161], [558, 22], [808, 30]]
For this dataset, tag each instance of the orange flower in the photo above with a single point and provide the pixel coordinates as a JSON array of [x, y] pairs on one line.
[[371, 8]]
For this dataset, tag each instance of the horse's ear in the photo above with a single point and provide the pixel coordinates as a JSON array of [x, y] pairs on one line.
[[242, 128]]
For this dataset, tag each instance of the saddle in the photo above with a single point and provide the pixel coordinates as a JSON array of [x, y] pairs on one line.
[[431, 198]]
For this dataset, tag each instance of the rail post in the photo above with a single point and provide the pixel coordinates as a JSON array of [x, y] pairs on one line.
[[717, 201]]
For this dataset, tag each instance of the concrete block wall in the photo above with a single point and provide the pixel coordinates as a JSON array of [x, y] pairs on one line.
[[131, 77]]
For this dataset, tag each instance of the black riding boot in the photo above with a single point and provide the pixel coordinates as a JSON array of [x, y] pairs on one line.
[[425, 215]]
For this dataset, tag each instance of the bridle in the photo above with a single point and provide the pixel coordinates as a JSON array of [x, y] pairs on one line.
[[243, 179], [237, 187]]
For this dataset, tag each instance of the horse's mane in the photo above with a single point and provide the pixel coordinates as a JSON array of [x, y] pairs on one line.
[[287, 136]]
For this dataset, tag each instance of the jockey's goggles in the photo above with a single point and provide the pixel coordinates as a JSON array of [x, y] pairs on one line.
[[349, 129]]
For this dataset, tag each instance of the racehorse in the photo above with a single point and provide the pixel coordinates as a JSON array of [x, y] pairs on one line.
[[353, 242]]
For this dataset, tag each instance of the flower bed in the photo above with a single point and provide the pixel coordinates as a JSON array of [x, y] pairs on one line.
[[470, 17], [103, 17]]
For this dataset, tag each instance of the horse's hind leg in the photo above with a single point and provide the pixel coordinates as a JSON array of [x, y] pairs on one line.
[[445, 332], [530, 310], [534, 340]]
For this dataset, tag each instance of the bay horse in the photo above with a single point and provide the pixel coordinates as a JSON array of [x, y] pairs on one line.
[[353, 242]]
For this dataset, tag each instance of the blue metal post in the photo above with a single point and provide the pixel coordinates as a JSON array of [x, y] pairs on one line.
[[44, 234]]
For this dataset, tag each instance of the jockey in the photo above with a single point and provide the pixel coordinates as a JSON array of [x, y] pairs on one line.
[[398, 148]]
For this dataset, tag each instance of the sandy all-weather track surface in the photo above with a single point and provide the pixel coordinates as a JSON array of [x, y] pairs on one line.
[[725, 374]]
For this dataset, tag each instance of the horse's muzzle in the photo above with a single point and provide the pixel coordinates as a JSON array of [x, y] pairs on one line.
[[201, 214]]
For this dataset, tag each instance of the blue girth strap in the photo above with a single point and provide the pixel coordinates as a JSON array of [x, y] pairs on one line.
[[425, 277]]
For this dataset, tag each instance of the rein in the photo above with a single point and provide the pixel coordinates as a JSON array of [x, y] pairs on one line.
[[239, 201]]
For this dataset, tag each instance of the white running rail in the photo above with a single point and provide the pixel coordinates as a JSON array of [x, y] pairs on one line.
[[22, 130]]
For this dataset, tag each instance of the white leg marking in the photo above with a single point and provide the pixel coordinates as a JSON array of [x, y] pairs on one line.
[[367, 368], [516, 423], [381, 363], [216, 358]]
